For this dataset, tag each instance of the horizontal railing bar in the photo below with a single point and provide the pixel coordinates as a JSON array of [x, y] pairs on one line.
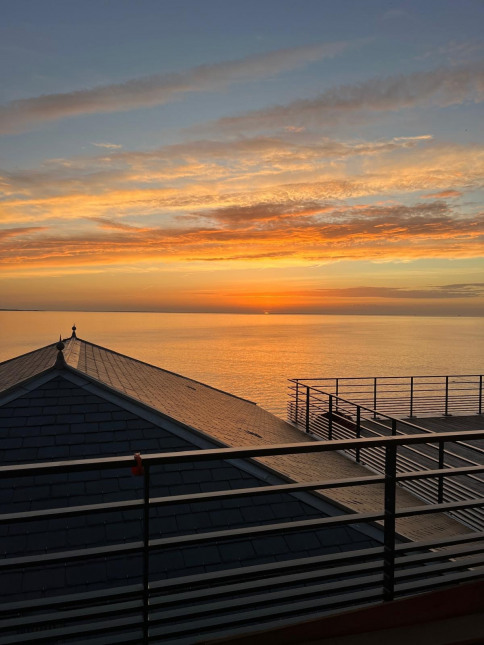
[[184, 456], [73, 614], [259, 600], [70, 511], [78, 554], [254, 615], [436, 508], [71, 599], [448, 472], [371, 378], [29, 516], [195, 538], [262, 583], [439, 555], [241, 573], [75, 630], [439, 581]]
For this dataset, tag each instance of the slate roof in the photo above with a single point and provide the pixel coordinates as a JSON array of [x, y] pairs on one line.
[[63, 414], [220, 417]]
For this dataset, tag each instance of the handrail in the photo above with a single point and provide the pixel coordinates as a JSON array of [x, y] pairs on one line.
[[405, 395], [185, 456], [329, 415]]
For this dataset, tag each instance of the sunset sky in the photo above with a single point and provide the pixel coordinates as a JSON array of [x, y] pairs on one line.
[[309, 156]]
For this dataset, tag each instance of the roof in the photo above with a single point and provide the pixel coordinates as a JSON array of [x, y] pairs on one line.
[[219, 416], [62, 416]]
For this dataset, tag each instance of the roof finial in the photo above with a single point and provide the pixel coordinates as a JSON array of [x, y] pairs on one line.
[[74, 331], [60, 360]]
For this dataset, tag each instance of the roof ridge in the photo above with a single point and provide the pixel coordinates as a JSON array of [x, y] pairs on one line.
[[161, 369]]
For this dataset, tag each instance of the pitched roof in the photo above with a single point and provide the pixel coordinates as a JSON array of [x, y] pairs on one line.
[[65, 417], [220, 416]]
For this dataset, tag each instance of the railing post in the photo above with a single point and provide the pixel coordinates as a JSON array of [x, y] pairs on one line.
[[358, 431], [394, 427], [446, 413], [480, 394], [146, 553], [296, 416], [389, 528], [440, 491], [330, 419], [374, 398], [411, 396], [337, 393], [307, 407]]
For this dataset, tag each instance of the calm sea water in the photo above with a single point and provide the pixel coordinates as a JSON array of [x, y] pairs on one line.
[[254, 355]]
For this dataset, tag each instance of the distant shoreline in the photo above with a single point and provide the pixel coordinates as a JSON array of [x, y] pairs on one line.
[[238, 313]]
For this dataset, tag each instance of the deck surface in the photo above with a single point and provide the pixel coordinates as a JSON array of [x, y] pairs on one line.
[[370, 498]]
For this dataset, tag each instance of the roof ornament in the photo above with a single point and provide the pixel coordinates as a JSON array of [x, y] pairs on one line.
[[74, 331], [60, 360]]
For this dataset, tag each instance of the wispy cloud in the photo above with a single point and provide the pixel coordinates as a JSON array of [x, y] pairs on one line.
[[23, 232], [154, 90], [441, 87], [453, 291], [109, 146], [443, 194]]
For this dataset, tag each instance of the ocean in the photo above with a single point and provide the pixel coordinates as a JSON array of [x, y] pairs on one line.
[[253, 356]]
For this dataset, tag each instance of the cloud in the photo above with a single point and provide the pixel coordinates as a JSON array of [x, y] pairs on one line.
[[263, 212], [455, 291], [149, 91], [456, 52], [420, 137], [110, 146], [20, 231], [117, 226], [281, 234], [441, 87], [252, 159], [443, 194]]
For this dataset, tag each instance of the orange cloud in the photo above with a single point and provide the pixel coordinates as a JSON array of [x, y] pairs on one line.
[[443, 194], [285, 234]]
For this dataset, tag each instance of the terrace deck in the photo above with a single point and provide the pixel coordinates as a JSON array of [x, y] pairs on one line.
[[369, 498]]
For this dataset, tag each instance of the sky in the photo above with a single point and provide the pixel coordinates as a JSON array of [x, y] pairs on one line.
[[279, 156]]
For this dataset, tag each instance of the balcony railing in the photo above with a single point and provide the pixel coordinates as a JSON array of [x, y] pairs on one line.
[[328, 415], [234, 600], [402, 396]]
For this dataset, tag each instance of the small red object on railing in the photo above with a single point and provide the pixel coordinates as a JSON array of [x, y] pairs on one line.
[[138, 470]]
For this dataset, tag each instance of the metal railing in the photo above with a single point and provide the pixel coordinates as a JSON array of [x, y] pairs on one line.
[[401, 396], [233, 600], [329, 416]]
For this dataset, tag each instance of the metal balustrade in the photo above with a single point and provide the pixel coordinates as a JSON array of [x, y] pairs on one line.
[[233, 600], [401, 396], [330, 416]]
